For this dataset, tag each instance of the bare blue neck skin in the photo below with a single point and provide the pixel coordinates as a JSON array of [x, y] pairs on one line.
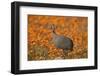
[[54, 35]]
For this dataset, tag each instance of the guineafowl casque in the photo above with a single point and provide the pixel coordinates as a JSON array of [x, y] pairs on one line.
[[61, 42]]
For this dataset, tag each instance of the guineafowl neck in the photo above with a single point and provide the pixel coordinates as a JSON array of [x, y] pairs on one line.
[[54, 34]]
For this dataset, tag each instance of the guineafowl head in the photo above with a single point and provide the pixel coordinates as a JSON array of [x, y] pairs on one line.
[[53, 27], [54, 35]]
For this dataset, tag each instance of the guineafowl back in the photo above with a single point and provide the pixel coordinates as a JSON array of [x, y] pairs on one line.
[[63, 42]]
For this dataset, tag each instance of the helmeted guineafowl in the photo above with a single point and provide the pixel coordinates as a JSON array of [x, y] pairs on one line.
[[61, 41]]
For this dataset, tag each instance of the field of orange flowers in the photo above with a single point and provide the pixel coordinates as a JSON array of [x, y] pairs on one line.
[[40, 45]]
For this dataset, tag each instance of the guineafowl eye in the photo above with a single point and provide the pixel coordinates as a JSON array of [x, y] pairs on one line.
[[61, 41]]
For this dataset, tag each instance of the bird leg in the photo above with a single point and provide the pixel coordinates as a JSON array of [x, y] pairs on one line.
[[65, 54]]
